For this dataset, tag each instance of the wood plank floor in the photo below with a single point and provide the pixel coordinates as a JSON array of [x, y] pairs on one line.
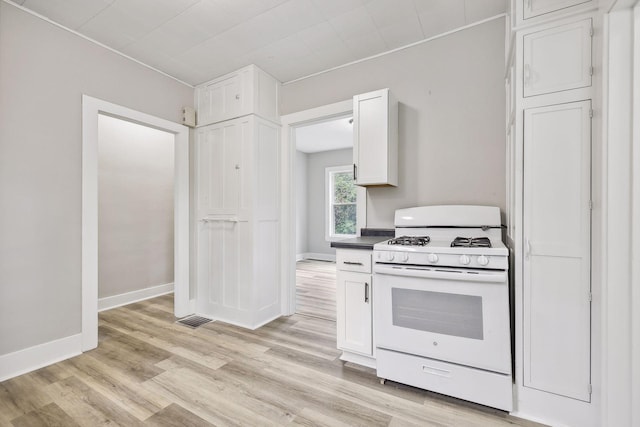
[[150, 371], [316, 289]]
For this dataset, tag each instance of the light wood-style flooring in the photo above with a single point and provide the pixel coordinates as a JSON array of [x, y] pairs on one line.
[[316, 289], [150, 371]]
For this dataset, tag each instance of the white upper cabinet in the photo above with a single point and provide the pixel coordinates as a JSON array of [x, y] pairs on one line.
[[246, 91], [375, 138], [533, 8], [557, 58]]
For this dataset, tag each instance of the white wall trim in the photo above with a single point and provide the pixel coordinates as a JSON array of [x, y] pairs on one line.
[[89, 39], [91, 108], [318, 256], [419, 42], [620, 305], [107, 303], [288, 191], [39, 356]]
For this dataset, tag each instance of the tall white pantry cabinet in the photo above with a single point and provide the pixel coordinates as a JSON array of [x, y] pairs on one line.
[[237, 196], [551, 99]]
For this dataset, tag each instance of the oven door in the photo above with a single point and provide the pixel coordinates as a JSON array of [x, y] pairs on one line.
[[455, 315]]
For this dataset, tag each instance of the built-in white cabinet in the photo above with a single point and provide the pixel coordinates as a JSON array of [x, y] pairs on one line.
[[354, 300], [557, 246], [375, 138], [550, 81], [533, 8], [557, 58], [237, 204], [246, 91]]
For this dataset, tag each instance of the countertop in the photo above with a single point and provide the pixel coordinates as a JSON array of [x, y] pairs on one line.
[[369, 238]]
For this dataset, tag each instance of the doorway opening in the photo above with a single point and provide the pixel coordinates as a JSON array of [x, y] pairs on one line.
[[92, 110], [325, 210], [318, 145], [135, 212]]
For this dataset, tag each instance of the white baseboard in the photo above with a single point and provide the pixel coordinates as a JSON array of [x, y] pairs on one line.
[[108, 303], [318, 256], [39, 356], [299, 257]]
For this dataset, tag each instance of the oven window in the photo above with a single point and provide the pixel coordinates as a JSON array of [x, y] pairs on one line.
[[438, 312]]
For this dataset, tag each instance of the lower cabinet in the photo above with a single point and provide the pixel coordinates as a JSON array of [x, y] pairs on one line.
[[354, 299]]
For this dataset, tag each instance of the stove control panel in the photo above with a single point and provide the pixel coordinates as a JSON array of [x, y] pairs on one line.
[[441, 259]]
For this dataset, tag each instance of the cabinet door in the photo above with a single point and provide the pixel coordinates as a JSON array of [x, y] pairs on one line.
[[354, 320], [557, 244], [220, 100], [557, 59], [218, 176], [375, 138], [540, 7], [218, 272]]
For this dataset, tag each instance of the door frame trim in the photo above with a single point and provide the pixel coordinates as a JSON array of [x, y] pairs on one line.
[[288, 201], [91, 108]]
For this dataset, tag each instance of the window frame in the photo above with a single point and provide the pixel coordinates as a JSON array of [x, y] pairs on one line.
[[361, 196]]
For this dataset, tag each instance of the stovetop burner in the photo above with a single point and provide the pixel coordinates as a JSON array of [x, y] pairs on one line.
[[410, 240], [471, 242]]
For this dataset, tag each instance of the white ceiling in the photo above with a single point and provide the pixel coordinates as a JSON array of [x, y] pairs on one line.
[[325, 136], [197, 40]]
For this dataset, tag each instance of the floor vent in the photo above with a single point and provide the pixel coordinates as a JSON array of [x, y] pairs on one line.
[[193, 321]]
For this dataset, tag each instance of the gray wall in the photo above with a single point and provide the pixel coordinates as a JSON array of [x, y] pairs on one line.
[[316, 210], [44, 71], [451, 118], [301, 203], [135, 207]]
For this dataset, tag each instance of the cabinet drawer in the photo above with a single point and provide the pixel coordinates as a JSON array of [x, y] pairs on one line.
[[476, 385], [353, 260], [557, 59]]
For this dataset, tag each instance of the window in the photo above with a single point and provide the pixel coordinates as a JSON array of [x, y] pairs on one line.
[[343, 198]]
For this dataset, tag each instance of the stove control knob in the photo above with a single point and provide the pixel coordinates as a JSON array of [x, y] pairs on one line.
[[465, 260], [390, 256], [483, 260], [433, 258], [404, 257]]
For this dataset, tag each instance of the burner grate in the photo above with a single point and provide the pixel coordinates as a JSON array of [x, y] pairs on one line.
[[471, 242], [410, 241]]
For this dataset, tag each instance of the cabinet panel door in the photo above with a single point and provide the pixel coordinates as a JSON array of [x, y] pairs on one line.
[[218, 178], [557, 59], [370, 133], [557, 245], [354, 320], [540, 7], [218, 267]]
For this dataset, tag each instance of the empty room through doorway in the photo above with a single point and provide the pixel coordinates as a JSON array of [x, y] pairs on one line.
[[135, 212]]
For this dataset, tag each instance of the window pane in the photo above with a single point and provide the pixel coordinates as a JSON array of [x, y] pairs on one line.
[[343, 188], [344, 219]]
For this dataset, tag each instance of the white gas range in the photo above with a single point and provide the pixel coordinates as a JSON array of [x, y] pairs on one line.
[[441, 306]]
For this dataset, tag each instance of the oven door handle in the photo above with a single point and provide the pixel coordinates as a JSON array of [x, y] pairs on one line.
[[494, 276]]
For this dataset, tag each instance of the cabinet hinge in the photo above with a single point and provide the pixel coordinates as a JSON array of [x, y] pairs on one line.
[[590, 205], [591, 31], [590, 389], [591, 113], [590, 296], [591, 71]]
